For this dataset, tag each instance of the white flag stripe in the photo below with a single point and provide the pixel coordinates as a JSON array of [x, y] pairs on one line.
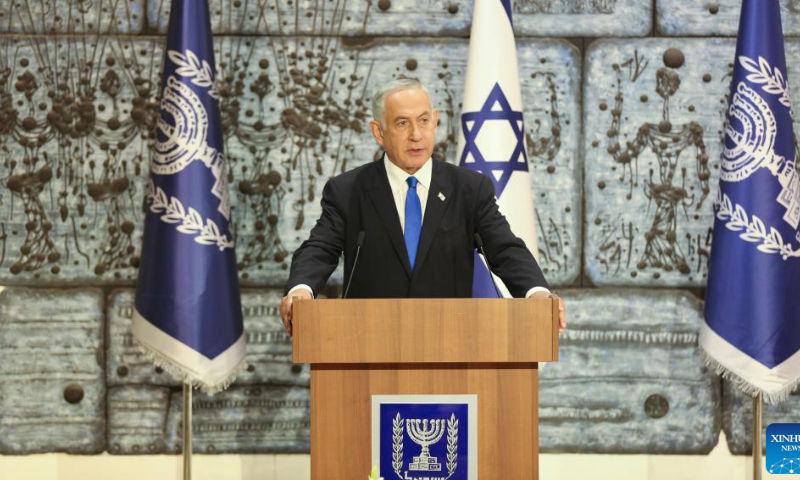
[[517, 205], [492, 56], [770, 381], [213, 375]]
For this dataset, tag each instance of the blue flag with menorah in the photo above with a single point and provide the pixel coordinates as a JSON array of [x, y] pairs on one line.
[[752, 315], [492, 135], [188, 315]]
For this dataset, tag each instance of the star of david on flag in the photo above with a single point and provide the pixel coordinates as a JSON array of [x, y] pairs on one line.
[[496, 108], [187, 314], [492, 135], [751, 332]]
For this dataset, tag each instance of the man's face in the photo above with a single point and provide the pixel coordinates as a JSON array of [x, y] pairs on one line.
[[410, 128]]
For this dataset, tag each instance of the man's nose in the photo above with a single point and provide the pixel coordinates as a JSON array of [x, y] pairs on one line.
[[416, 134]]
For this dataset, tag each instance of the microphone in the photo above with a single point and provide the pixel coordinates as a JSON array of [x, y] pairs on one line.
[[479, 244], [359, 243]]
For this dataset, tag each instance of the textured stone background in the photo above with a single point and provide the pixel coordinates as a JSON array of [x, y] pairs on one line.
[[614, 160], [630, 378]]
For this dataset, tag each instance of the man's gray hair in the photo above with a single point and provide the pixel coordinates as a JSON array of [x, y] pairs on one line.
[[379, 98]]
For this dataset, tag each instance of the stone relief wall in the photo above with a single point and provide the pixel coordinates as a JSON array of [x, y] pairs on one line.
[[630, 378], [624, 108]]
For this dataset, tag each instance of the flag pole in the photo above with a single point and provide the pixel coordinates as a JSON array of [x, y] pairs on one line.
[[187, 431], [757, 447]]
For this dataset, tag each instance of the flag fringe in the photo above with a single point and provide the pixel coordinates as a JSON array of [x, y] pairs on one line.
[[770, 398], [178, 372]]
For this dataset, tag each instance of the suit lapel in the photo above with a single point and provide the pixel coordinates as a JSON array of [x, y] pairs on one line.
[[381, 195], [439, 199]]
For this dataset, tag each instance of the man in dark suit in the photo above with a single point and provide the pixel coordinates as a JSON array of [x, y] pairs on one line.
[[417, 219]]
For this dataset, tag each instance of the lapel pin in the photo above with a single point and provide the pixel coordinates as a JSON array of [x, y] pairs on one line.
[[441, 196]]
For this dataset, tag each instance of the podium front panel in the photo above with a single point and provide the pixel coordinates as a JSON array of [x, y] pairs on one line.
[[507, 405]]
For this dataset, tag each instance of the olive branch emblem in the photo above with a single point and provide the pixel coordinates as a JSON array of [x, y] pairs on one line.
[[754, 230], [771, 80], [191, 222], [398, 427], [200, 72], [452, 445]]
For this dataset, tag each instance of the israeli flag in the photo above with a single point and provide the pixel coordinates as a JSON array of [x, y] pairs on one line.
[[492, 138], [188, 315], [752, 315]]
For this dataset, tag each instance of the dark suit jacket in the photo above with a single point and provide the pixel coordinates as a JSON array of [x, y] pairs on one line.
[[361, 200]]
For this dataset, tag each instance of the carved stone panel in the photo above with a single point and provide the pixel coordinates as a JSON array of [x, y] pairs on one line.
[[630, 377], [716, 17], [137, 419], [269, 348], [59, 17], [282, 17], [653, 112], [556, 18], [146, 419], [244, 419], [76, 115], [52, 388], [77, 125], [583, 18], [737, 417]]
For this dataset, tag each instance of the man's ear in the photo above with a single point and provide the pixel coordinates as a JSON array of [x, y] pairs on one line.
[[435, 117], [375, 128]]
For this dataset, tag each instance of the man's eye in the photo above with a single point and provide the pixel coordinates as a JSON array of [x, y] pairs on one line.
[[402, 124], [423, 121]]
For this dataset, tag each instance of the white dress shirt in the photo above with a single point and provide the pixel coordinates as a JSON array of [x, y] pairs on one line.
[[397, 182]]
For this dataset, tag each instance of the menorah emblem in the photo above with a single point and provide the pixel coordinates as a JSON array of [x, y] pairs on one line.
[[425, 433], [752, 139], [183, 129]]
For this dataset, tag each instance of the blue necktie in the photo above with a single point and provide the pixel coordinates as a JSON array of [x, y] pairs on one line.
[[413, 225]]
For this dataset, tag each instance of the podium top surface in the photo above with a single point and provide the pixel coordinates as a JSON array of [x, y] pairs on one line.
[[360, 331]]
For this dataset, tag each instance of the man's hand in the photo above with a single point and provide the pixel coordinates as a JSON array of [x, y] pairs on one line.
[[562, 310], [286, 307]]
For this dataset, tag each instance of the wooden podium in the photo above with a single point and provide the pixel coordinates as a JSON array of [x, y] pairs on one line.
[[486, 347]]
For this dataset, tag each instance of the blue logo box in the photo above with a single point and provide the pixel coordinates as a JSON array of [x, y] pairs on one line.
[[783, 448], [425, 437]]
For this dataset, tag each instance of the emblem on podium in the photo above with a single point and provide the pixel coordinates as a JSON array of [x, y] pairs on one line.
[[425, 437]]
